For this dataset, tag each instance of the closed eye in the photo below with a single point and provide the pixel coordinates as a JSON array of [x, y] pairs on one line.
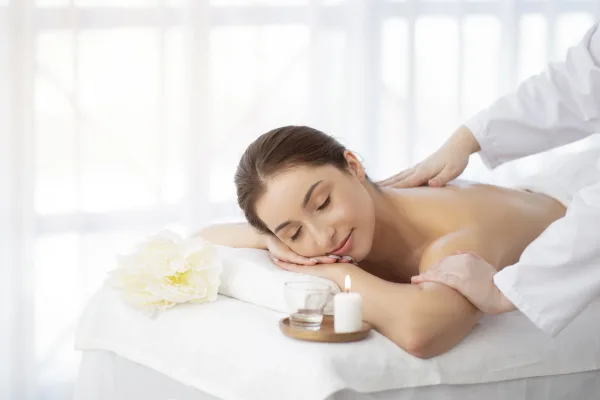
[[325, 204], [296, 235], [321, 207]]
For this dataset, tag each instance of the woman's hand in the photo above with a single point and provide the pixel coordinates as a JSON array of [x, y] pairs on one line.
[[472, 276], [335, 272], [280, 252], [447, 163]]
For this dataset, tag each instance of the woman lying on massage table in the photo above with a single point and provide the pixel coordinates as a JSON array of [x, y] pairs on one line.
[[309, 202]]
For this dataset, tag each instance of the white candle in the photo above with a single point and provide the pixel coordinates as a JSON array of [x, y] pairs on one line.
[[347, 310]]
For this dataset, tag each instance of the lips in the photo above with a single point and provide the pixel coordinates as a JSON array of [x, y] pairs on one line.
[[345, 246]]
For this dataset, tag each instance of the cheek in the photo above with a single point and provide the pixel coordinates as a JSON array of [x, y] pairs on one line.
[[355, 208], [363, 207], [366, 217], [303, 247], [367, 229], [345, 212]]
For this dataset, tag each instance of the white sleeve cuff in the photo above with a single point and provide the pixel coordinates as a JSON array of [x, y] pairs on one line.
[[478, 127], [520, 301]]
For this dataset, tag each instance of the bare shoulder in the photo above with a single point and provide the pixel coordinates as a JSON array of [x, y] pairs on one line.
[[473, 239]]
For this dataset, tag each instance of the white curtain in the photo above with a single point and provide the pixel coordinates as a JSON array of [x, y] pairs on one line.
[[119, 117]]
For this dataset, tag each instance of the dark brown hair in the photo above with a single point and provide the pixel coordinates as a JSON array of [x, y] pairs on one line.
[[279, 150]]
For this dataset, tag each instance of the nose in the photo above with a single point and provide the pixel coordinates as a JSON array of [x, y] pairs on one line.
[[323, 236]]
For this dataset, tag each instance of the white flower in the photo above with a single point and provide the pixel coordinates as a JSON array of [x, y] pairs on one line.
[[166, 270]]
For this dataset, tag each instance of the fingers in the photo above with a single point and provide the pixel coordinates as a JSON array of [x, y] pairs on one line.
[[444, 278], [398, 177], [417, 178], [327, 259], [322, 271], [290, 260], [293, 258], [445, 176], [287, 266], [413, 180], [439, 272], [451, 271]]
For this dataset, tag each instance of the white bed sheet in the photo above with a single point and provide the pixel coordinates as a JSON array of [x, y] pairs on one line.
[[106, 376], [234, 350]]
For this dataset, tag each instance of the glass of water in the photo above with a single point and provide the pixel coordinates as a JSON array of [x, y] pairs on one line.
[[306, 302]]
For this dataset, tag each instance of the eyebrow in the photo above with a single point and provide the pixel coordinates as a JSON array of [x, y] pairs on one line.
[[309, 193]]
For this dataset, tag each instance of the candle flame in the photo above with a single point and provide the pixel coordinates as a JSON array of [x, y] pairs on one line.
[[347, 283]]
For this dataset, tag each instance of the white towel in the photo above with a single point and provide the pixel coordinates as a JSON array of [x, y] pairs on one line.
[[250, 276]]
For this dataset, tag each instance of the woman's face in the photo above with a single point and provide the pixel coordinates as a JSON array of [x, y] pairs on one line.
[[315, 210]]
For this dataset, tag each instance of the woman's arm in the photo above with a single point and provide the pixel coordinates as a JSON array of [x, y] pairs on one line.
[[432, 318], [426, 319], [445, 317], [243, 235], [234, 235]]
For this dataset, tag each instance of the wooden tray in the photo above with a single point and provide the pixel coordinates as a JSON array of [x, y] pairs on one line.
[[325, 333]]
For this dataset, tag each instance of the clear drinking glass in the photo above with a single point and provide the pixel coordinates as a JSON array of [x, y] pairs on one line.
[[306, 302]]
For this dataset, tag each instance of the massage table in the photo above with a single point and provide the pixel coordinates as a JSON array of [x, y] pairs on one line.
[[233, 350]]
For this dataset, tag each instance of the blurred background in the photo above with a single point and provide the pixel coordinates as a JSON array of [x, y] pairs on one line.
[[119, 117]]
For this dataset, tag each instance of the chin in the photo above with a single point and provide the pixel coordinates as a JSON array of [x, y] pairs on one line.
[[364, 249], [361, 250], [360, 255]]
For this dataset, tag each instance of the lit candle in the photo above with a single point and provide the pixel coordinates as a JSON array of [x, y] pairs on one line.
[[347, 310]]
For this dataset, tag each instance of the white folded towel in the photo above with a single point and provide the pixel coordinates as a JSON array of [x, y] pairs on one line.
[[250, 276]]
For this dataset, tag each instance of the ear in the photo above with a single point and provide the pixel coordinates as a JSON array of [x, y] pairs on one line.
[[355, 166]]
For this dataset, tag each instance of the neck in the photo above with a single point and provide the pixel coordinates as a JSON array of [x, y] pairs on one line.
[[397, 234]]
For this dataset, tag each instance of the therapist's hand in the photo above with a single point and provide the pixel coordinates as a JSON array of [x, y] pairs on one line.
[[472, 276], [447, 163]]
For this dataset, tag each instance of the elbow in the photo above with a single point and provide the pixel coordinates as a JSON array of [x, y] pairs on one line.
[[210, 233], [204, 233], [419, 342], [419, 347]]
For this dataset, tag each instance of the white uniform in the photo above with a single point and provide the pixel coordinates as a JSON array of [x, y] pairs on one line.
[[558, 275]]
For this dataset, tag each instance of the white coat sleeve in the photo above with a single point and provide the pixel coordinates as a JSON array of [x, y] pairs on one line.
[[558, 274], [558, 106]]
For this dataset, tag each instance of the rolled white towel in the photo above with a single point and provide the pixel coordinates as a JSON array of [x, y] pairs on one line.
[[250, 276]]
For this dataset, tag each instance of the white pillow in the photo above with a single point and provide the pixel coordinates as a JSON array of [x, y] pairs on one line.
[[250, 276]]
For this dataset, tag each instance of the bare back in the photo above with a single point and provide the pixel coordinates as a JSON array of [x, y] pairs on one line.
[[501, 220]]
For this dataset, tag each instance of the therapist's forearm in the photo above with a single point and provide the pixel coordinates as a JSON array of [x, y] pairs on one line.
[[551, 109], [464, 139], [558, 274], [504, 304]]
